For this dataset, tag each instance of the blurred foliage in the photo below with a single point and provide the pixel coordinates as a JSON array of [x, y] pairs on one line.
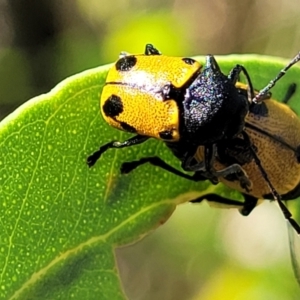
[[42, 42]]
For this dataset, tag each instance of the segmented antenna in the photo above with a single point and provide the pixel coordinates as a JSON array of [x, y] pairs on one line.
[[266, 89]]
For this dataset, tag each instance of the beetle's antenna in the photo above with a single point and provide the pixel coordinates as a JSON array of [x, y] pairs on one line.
[[287, 214], [266, 89]]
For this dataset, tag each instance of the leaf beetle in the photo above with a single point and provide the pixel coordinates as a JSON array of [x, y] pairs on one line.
[[219, 128]]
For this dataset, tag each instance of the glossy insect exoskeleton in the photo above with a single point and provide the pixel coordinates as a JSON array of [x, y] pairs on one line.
[[176, 100], [220, 129]]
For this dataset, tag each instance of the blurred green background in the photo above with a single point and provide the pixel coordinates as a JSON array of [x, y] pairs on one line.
[[200, 253]]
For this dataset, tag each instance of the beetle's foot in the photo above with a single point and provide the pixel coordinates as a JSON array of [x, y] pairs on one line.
[[245, 182], [127, 167]]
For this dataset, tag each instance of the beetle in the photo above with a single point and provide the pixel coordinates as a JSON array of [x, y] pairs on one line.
[[219, 128]]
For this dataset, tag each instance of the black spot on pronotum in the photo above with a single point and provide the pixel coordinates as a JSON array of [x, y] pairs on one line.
[[126, 63], [189, 61], [166, 135], [113, 106], [127, 127]]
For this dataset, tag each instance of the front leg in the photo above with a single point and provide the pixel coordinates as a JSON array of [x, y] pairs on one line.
[[128, 167], [208, 170]]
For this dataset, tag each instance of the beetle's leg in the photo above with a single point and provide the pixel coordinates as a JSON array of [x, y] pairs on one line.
[[222, 201], [245, 208], [210, 153], [208, 171], [289, 93], [241, 175], [151, 50], [204, 167], [127, 167], [249, 204], [138, 139], [234, 77]]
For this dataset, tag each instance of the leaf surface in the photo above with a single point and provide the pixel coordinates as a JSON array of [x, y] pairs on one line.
[[60, 221]]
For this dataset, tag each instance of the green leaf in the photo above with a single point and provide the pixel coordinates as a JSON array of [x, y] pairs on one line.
[[60, 221]]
